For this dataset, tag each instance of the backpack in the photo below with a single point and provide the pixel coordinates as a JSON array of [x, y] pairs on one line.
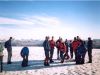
[[5, 45]]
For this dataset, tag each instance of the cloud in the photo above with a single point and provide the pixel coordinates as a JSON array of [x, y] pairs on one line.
[[29, 27], [44, 20], [48, 20], [30, 22], [4, 20]]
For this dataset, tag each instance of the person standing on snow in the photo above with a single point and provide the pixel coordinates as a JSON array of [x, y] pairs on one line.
[[52, 45], [46, 46], [89, 49]]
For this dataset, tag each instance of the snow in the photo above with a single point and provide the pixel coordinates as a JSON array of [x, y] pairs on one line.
[[36, 67]]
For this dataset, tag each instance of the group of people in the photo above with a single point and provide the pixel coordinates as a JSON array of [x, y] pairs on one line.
[[78, 47]]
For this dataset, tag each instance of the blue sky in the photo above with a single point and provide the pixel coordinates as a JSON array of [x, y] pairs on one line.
[[36, 19]]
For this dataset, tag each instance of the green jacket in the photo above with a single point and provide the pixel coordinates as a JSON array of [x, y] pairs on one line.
[[1, 48]]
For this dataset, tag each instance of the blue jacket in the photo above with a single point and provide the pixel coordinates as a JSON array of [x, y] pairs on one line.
[[81, 49], [24, 51]]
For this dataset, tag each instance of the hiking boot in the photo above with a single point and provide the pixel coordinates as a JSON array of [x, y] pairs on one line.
[[51, 61], [9, 62], [61, 61], [89, 62], [46, 64]]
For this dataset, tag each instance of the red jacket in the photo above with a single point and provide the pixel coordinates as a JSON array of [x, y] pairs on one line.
[[52, 43], [75, 45], [62, 47]]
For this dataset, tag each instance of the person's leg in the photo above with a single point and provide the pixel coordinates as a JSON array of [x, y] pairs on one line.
[[90, 55], [71, 53], [23, 61], [9, 50], [10, 55], [78, 58], [26, 60], [62, 56], [51, 55], [82, 61], [45, 58], [58, 52], [83, 56], [1, 62], [46, 62], [75, 53], [67, 55]]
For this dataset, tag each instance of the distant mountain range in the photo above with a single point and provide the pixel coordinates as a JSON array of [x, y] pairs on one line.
[[25, 42], [31, 42]]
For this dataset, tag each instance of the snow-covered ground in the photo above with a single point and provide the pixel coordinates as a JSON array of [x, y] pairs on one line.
[[36, 66]]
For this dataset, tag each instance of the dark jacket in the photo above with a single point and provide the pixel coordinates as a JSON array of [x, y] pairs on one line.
[[89, 44], [81, 49], [57, 43], [8, 44], [46, 45], [66, 43]]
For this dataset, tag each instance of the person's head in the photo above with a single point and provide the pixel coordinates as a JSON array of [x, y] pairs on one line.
[[89, 38], [81, 44], [66, 40], [61, 40], [46, 38], [74, 38], [70, 40], [52, 37], [78, 38], [10, 38], [84, 42]]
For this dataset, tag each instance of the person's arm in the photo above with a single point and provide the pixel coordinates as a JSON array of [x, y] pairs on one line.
[[1, 48], [21, 53], [92, 44], [65, 48], [28, 51]]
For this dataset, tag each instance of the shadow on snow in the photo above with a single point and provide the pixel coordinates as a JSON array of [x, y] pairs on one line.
[[34, 64]]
